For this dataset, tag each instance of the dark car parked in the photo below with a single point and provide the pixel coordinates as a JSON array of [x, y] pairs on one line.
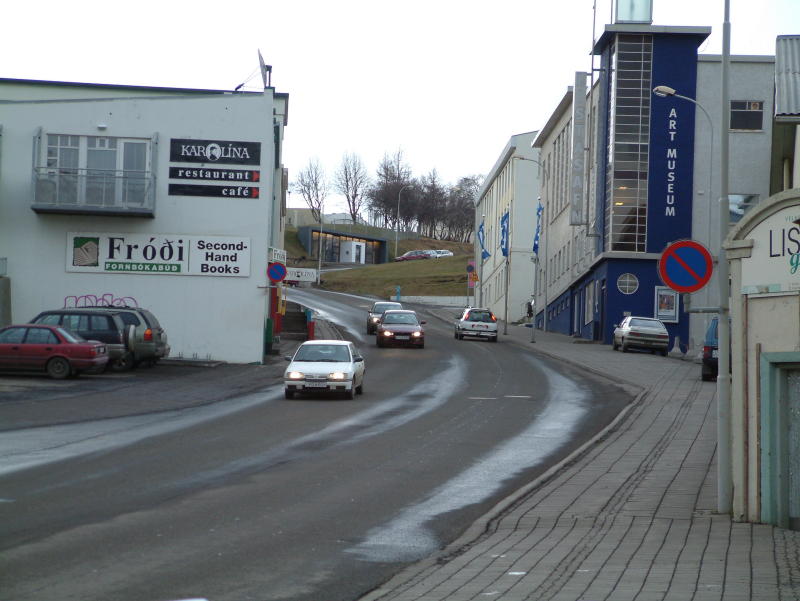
[[53, 349], [710, 368], [149, 338], [104, 325]]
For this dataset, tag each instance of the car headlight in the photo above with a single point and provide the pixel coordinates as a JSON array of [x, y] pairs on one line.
[[295, 375], [337, 375], [387, 333], [375, 320], [417, 334]]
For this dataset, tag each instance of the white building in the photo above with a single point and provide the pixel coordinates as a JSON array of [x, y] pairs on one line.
[[169, 199], [510, 191]]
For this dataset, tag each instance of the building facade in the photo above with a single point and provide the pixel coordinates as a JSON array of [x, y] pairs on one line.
[[505, 222], [169, 199]]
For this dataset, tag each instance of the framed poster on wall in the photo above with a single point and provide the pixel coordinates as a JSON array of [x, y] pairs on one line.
[[666, 304]]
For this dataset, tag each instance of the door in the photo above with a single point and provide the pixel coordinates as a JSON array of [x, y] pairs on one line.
[[40, 344], [11, 347], [793, 446]]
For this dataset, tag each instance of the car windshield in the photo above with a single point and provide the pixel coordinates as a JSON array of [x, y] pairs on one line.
[[322, 352], [406, 318], [70, 336], [381, 307]]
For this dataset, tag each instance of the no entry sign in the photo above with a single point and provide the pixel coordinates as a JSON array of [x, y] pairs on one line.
[[685, 266]]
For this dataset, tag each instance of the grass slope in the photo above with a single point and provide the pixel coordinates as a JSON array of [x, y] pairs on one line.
[[429, 277]]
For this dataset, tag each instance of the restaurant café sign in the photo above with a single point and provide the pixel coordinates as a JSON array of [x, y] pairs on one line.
[[209, 160], [774, 264], [158, 254]]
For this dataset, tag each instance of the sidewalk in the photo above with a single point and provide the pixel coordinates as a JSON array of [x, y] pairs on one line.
[[631, 516]]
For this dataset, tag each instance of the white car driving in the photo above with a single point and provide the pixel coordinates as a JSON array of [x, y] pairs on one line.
[[332, 366]]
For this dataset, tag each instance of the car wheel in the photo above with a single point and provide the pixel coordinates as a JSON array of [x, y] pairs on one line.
[[614, 345], [378, 341], [493, 339], [123, 363], [624, 346], [360, 388], [58, 368], [350, 394], [289, 394], [664, 353], [422, 345]]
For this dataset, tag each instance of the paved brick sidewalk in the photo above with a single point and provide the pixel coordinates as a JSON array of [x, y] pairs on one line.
[[630, 517]]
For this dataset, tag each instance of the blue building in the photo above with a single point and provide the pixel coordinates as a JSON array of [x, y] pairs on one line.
[[626, 173]]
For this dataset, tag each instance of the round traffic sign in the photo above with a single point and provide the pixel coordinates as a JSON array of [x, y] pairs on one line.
[[276, 272], [685, 266]]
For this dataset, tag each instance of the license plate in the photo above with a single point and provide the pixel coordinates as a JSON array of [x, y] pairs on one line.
[[714, 354], [316, 384], [401, 337]]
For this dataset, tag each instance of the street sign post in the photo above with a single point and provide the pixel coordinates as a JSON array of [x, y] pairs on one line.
[[685, 266]]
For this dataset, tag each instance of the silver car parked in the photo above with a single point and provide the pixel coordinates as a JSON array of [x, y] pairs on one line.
[[644, 333]]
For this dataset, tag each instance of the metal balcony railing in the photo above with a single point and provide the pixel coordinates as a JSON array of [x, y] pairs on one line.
[[93, 191]]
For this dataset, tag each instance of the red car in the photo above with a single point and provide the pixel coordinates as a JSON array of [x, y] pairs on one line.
[[400, 327], [413, 255], [53, 349]]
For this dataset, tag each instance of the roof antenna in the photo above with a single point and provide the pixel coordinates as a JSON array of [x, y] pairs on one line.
[[266, 71]]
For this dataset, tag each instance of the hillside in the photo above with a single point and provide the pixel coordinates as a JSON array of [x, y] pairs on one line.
[[431, 277]]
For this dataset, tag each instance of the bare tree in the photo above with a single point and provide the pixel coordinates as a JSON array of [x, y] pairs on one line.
[[352, 182], [313, 187]]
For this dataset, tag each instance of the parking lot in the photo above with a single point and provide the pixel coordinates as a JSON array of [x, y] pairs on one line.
[[35, 400]]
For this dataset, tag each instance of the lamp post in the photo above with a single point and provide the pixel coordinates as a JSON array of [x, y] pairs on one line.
[[480, 268], [534, 258], [319, 247], [397, 225], [724, 479]]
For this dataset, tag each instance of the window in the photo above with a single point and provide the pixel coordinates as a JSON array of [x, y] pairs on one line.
[[12, 335], [93, 171], [739, 204], [747, 115], [628, 144], [627, 283], [40, 336]]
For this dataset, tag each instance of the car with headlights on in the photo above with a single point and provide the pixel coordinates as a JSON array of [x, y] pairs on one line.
[[52, 349], [401, 328], [476, 322], [645, 333], [375, 312], [325, 366]]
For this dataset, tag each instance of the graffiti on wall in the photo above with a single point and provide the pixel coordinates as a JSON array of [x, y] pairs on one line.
[[104, 300]]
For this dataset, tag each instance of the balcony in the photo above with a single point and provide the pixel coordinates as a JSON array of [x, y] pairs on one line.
[[93, 192]]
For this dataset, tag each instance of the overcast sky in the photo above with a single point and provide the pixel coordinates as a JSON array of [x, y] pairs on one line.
[[446, 81]]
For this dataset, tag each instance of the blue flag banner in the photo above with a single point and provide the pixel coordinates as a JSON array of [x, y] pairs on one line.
[[504, 233], [481, 240], [539, 210]]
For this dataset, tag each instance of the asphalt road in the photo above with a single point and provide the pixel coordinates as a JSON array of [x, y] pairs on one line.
[[173, 495]]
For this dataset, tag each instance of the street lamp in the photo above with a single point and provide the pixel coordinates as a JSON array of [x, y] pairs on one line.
[[397, 225], [319, 248], [535, 260], [723, 326]]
